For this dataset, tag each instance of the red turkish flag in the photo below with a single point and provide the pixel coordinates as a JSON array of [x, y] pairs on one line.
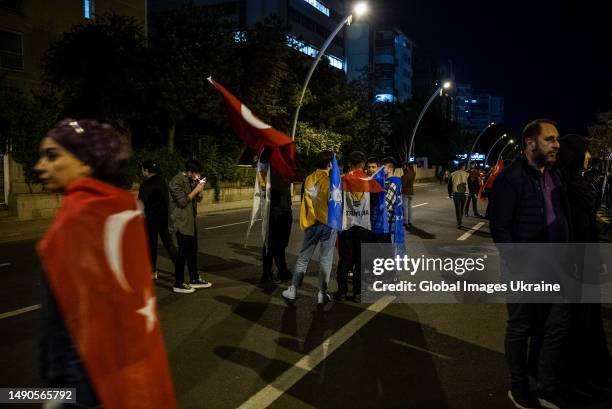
[[96, 261], [258, 135]]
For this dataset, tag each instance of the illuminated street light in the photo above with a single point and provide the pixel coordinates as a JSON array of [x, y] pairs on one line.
[[359, 10]]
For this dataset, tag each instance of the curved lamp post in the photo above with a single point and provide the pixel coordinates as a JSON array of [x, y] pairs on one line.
[[358, 10], [469, 158], [491, 150], [407, 152], [510, 142]]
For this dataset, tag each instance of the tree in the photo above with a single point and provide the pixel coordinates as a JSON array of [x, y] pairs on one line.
[[100, 70], [189, 45], [24, 121]]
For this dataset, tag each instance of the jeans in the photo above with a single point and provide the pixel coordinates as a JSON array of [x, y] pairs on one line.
[[459, 199], [319, 233], [187, 251], [407, 201], [547, 327]]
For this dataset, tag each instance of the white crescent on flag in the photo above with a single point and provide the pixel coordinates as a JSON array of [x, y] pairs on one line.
[[252, 119], [113, 242]]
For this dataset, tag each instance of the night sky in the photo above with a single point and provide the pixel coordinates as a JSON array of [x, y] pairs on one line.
[[547, 58]]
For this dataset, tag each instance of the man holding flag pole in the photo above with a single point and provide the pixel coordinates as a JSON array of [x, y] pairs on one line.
[[320, 218]]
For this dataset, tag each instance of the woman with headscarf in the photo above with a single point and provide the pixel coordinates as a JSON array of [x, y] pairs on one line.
[[590, 364], [101, 334]]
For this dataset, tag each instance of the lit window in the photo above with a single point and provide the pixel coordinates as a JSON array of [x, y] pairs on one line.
[[90, 9], [385, 98], [473, 101], [319, 6], [312, 51], [239, 36]]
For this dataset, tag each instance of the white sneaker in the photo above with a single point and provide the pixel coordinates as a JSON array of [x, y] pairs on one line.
[[200, 283], [323, 297], [289, 293], [184, 289]]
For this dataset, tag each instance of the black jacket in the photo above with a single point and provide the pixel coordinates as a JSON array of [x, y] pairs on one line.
[[582, 195], [517, 207], [154, 195]]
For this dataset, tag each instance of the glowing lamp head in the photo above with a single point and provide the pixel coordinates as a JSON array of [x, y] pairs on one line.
[[360, 9]]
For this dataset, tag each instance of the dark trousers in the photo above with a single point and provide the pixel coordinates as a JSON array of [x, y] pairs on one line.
[[547, 327], [155, 229], [274, 253], [187, 251], [459, 200], [279, 230], [350, 258], [474, 200]]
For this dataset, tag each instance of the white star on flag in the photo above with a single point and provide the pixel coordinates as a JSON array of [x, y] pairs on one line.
[[336, 194], [149, 311]]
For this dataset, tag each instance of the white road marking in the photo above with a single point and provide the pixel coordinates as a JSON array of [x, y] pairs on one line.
[[405, 344], [19, 311], [420, 204], [266, 396], [473, 230], [230, 224], [5, 264]]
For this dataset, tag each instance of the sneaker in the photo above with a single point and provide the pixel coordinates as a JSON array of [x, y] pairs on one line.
[[523, 400], [200, 283], [323, 297], [155, 275], [554, 401], [289, 294], [184, 289]]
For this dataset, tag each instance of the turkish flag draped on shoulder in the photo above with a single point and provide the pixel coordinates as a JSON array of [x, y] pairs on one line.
[[258, 135], [96, 261]]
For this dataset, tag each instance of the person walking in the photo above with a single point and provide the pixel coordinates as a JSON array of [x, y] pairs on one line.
[[100, 328], [185, 192], [458, 191], [313, 221], [528, 204], [473, 192], [153, 194], [408, 178]]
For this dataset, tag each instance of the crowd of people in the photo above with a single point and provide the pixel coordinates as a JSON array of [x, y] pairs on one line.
[[554, 352]]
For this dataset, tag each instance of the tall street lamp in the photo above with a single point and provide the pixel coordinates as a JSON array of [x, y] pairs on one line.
[[469, 158], [446, 85], [359, 10], [510, 142], [491, 150]]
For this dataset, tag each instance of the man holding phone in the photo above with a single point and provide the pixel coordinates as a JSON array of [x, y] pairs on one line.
[[185, 191]]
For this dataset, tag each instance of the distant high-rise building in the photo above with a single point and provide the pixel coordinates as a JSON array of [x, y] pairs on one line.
[[476, 109], [383, 55], [310, 22]]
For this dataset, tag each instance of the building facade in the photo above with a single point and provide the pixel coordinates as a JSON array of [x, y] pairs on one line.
[[475, 109], [309, 22], [385, 57], [28, 27]]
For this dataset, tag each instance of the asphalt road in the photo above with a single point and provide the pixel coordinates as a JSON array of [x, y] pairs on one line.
[[235, 345]]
